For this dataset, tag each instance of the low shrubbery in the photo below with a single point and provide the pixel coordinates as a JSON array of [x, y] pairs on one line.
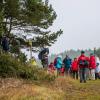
[[11, 67]]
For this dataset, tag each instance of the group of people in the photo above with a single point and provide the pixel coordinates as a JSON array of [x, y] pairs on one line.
[[83, 67]]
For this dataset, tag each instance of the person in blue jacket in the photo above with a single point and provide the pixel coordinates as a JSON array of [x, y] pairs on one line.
[[67, 63], [58, 64]]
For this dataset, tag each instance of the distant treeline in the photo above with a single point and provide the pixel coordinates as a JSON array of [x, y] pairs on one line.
[[74, 53]]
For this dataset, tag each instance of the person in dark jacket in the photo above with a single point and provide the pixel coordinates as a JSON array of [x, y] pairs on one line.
[[43, 56], [44, 60], [0, 44], [67, 62], [5, 44]]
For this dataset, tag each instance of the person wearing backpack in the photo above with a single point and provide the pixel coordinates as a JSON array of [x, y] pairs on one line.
[[44, 60], [83, 63], [92, 66], [43, 56], [55, 61], [58, 64]]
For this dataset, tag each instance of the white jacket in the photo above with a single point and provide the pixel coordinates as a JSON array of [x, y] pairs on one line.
[[97, 70]]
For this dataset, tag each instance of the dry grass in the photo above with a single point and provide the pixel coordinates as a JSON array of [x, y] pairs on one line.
[[60, 89]]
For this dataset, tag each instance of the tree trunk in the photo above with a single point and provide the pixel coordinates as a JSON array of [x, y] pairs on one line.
[[10, 26]]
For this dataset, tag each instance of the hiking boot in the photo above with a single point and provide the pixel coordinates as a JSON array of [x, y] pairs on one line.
[[80, 81], [84, 81]]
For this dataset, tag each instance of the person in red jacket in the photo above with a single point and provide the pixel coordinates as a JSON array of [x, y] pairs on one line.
[[62, 70], [74, 68], [83, 63], [51, 68], [92, 66]]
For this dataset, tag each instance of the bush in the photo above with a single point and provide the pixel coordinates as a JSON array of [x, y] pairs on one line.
[[11, 67]]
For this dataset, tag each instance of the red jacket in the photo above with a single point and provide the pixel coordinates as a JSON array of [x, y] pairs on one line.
[[51, 66], [82, 57], [92, 62], [74, 66], [62, 70]]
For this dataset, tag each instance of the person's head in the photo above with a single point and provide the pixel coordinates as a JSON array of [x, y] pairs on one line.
[[66, 56], [82, 52], [75, 59], [59, 56], [51, 63], [91, 54]]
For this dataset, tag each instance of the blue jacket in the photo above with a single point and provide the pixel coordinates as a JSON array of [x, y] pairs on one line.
[[67, 62], [59, 63]]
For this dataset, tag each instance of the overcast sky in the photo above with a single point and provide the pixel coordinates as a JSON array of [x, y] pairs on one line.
[[80, 21]]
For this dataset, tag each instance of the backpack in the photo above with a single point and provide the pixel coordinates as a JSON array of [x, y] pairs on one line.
[[40, 55], [55, 61], [97, 64], [43, 52], [83, 63]]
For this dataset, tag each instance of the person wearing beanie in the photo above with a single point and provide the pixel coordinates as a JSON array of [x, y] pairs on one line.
[[83, 63]]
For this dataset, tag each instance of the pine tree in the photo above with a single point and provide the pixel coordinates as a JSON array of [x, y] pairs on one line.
[[32, 17], [1, 18]]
